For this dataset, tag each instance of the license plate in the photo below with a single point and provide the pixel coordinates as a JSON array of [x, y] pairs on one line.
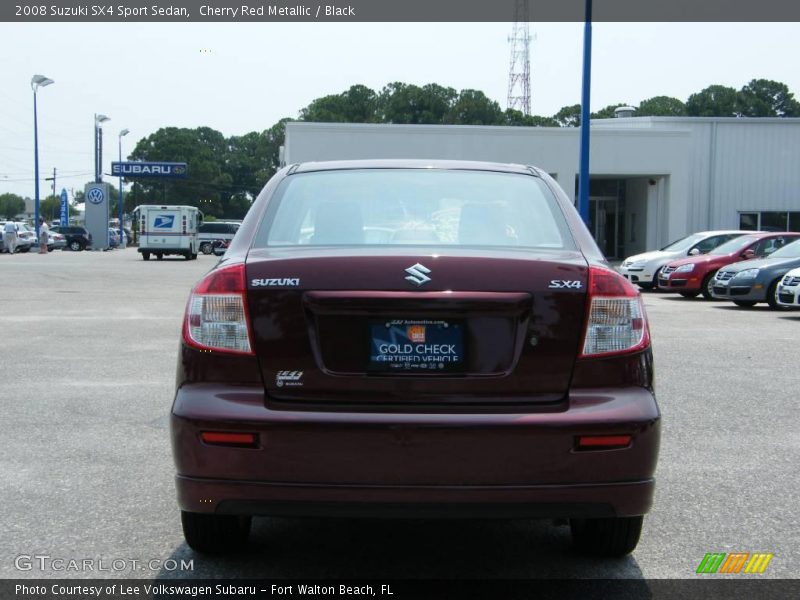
[[429, 346]]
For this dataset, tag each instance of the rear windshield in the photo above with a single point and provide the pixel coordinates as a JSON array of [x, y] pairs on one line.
[[393, 207], [734, 245]]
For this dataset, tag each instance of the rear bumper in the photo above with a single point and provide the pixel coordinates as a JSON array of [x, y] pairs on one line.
[[426, 465]]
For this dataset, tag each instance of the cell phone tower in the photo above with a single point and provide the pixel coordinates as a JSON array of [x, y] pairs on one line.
[[519, 71]]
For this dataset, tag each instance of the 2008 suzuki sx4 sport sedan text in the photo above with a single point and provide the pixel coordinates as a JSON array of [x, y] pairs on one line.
[[417, 339]]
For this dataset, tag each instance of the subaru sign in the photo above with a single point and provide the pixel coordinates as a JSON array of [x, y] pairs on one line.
[[64, 208], [148, 169]]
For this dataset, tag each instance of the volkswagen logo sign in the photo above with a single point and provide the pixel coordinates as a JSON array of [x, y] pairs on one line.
[[95, 196]]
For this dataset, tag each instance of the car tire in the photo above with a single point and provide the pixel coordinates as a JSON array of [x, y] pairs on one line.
[[708, 283], [745, 303], [215, 534], [689, 294], [194, 256], [75, 246], [772, 295], [145, 256], [159, 256], [206, 248], [612, 537]]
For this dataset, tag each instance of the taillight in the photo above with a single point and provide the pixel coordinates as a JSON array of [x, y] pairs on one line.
[[216, 314], [615, 322]]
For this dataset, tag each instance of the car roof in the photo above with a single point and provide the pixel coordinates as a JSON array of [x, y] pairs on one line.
[[341, 165]]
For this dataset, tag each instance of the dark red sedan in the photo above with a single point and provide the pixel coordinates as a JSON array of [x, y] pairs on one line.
[[695, 275], [415, 339]]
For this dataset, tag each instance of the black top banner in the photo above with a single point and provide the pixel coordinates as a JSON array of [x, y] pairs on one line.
[[397, 11]]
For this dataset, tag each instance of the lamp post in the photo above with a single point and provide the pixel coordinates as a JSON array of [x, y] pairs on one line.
[[37, 81], [98, 147], [121, 193]]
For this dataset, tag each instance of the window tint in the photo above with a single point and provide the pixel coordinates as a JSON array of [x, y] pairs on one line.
[[413, 206]]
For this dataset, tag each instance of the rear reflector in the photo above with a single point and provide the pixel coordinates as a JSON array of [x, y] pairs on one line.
[[229, 439], [590, 442], [616, 322], [216, 314]]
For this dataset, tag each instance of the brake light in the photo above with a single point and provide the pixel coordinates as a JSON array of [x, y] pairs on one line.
[[603, 442], [616, 322], [216, 314]]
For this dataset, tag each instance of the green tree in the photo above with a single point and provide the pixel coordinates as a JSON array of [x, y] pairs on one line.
[[205, 151], [661, 106], [569, 116], [767, 98], [11, 205], [515, 117], [713, 101], [50, 208], [407, 103], [473, 107], [357, 105]]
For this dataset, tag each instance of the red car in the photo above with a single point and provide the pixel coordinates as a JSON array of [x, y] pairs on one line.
[[409, 338], [695, 275]]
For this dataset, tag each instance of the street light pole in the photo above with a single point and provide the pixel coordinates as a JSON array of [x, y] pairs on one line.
[[37, 81], [121, 193], [98, 147]]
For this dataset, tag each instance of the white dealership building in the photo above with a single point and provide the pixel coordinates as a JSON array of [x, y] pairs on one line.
[[653, 179]]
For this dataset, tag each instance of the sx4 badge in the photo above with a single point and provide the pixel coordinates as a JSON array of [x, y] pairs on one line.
[[562, 284], [289, 379]]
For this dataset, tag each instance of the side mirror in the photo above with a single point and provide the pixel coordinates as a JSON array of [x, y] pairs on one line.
[[694, 252], [749, 253]]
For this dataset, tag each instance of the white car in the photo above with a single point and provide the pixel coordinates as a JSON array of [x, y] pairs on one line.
[[642, 269], [788, 293]]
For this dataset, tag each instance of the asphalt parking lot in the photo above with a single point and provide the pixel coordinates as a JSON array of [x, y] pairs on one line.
[[87, 361]]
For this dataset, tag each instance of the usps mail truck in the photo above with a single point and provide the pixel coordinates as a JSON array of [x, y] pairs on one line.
[[165, 230]]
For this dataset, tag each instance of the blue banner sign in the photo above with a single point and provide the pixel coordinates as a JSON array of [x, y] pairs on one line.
[[135, 169], [64, 208]]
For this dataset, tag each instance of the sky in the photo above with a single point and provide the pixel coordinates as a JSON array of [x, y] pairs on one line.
[[242, 77]]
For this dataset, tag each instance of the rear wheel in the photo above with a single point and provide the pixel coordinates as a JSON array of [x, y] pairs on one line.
[[146, 255], [689, 294], [744, 303], [215, 534], [606, 537], [206, 248], [75, 246], [159, 256], [708, 285]]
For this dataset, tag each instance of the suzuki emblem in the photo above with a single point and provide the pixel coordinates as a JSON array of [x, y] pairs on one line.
[[418, 274]]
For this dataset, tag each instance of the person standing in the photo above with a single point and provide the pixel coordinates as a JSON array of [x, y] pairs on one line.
[[44, 234], [10, 236]]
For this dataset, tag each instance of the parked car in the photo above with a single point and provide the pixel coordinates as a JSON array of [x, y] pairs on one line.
[[503, 369], [643, 269], [754, 281], [695, 275], [77, 237], [209, 232], [113, 238], [789, 289], [56, 241], [24, 237]]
